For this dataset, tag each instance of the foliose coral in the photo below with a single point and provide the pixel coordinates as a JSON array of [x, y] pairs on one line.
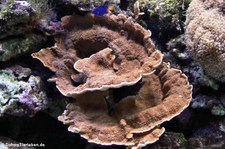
[[123, 91], [134, 120], [120, 47], [205, 35], [21, 93]]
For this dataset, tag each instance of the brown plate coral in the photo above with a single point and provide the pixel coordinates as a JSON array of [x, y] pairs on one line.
[[108, 52], [123, 91], [134, 120]]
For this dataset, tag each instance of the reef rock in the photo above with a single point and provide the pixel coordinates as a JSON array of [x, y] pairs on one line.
[[211, 136], [21, 24], [20, 92], [18, 45], [88, 2], [205, 35], [178, 56], [15, 18], [211, 102], [165, 18], [169, 140]]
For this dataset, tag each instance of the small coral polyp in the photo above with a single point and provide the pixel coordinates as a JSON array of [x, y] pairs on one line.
[[123, 91], [119, 50]]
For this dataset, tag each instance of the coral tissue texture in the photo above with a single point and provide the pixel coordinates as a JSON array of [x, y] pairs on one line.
[[108, 51], [123, 91], [134, 120], [205, 35]]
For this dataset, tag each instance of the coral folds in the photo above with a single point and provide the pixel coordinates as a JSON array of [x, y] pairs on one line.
[[122, 54], [123, 91], [134, 120]]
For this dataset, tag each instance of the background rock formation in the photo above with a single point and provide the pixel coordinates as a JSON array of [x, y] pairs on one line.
[[20, 92], [205, 35]]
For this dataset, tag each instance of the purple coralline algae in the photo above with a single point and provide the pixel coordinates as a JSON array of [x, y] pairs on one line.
[[20, 17], [198, 77], [49, 27], [21, 24], [20, 92], [15, 18]]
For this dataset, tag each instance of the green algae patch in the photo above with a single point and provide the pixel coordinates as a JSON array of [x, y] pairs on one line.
[[14, 47]]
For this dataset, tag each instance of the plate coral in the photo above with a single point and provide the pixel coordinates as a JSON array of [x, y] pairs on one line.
[[99, 59]]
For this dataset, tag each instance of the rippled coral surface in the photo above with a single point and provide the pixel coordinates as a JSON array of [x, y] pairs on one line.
[[26, 91]]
